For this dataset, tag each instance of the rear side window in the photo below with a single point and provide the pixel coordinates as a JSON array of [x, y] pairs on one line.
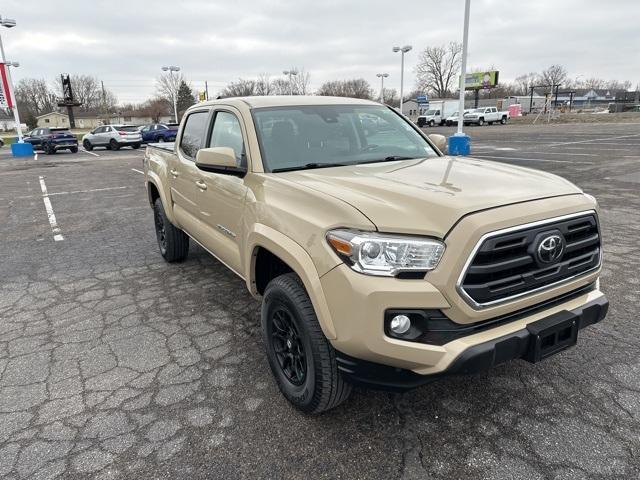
[[228, 133], [193, 133]]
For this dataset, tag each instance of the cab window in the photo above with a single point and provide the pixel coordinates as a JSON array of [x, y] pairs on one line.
[[193, 134], [228, 133]]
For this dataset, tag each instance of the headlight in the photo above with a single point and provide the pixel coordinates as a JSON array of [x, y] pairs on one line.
[[385, 255]]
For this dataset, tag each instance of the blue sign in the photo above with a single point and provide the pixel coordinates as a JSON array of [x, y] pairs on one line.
[[422, 99]]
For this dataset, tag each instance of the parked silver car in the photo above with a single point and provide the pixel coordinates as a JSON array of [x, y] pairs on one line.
[[113, 137]]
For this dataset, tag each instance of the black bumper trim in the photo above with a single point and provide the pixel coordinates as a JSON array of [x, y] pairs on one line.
[[475, 359]]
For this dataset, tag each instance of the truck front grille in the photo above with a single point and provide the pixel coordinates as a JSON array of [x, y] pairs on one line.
[[517, 261]]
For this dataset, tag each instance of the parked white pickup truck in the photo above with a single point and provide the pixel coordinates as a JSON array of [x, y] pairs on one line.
[[489, 115]]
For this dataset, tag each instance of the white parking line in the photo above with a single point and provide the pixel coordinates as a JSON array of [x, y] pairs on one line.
[[90, 153], [57, 235], [88, 191], [592, 140], [136, 170]]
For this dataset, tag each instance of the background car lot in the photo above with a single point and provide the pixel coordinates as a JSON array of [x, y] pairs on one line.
[[114, 364]]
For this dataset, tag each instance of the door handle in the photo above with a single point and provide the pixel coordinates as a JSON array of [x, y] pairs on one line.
[[173, 172], [201, 185]]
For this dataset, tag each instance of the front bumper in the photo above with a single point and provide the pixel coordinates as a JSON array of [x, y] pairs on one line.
[[519, 344]]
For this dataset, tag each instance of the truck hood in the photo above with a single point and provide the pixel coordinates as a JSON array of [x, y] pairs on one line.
[[427, 196]]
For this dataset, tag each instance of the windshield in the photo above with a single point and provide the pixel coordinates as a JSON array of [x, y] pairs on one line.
[[126, 128], [315, 136], [431, 112]]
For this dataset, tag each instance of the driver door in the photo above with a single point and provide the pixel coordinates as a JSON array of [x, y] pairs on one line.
[[221, 196]]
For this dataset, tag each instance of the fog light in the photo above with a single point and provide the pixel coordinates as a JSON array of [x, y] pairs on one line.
[[400, 324]]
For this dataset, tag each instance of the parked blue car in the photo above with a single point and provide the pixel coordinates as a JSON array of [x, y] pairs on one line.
[[159, 132], [50, 140]]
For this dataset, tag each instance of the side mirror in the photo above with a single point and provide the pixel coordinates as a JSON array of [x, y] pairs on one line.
[[439, 141], [216, 159]]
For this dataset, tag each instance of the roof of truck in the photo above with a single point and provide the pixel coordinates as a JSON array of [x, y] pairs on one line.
[[289, 100]]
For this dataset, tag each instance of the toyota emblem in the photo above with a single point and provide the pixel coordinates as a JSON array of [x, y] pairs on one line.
[[550, 249]]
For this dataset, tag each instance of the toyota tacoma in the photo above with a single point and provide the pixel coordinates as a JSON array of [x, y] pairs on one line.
[[379, 261]]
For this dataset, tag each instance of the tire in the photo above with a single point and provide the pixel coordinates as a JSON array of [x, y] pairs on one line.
[[87, 145], [481, 122], [173, 242], [503, 120], [160, 140], [49, 149], [135, 146], [432, 123], [289, 322], [73, 149], [113, 145]]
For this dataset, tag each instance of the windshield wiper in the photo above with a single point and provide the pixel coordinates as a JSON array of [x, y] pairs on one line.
[[308, 166], [390, 158]]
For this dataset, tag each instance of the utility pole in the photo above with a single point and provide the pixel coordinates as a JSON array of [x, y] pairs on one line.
[[104, 99], [206, 90]]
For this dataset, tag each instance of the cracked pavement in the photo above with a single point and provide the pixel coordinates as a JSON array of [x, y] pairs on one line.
[[114, 364]]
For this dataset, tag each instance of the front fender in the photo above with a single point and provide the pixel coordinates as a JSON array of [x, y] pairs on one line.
[[300, 262]]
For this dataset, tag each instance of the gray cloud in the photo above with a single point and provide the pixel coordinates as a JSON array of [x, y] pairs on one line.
[[125, 43]]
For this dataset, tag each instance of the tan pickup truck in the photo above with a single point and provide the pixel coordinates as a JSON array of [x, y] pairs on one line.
[[380, 261]]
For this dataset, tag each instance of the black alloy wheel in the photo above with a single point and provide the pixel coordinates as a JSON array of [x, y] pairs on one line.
[[288, 346], [161, 232]]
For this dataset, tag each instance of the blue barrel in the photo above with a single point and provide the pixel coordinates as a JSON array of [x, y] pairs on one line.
[[22, 149], [459, 144]]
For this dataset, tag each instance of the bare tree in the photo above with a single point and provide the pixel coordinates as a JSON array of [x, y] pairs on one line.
[[355, 88], [301, 82], [523, 83], [263, 85], [438, 69], [614, 85], [241, 88], [168, 84], [554, 75], [391, 97], [156, 108], [280, 86], [35, 96]]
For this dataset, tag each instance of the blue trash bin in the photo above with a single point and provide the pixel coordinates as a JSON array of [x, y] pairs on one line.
[[459, 144], [22, 149]]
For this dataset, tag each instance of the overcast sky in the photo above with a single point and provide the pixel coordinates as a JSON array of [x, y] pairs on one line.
[[126, 43]]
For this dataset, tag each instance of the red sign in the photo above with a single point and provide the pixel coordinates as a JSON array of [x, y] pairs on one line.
[[5, 94]]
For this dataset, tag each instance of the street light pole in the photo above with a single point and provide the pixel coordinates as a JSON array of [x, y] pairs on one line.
[[402, 51], [382, 76], [9, 23], [463, 70], [174, 94], [290, 73], [460, 143]]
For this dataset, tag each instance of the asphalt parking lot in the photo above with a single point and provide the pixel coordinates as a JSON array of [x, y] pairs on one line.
[[114, 364]]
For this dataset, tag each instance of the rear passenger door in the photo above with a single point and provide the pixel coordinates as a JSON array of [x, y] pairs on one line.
[[183, 173]]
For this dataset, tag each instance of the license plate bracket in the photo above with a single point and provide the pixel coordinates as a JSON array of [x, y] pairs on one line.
[[552, 335]]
